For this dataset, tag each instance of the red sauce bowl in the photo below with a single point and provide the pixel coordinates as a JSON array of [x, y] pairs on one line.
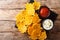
[[44, 11]]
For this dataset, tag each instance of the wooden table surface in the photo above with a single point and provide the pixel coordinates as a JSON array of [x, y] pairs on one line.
[[8, 11]]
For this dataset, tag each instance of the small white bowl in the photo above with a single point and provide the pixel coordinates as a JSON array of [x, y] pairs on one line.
[[47, 24]]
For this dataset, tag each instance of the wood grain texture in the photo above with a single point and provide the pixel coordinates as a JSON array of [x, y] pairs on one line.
[[15, 4], [54, 36], [53, 3], [8, 31], [10, 26], [9, 4], [20, 36], [50, 3], [8, 14], [6, 36], [13, 36], [10, 8], [56, 10], [58, 18], [7, 26]]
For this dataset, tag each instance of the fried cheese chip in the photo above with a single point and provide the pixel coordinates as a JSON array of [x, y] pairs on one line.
[[22, 28], [29, 21], [30, 9], [43, 36], [20, 16], [35, 34], [36, 5], [36, 18]]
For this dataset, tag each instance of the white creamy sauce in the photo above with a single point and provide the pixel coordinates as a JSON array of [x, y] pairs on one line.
[[47, 24]]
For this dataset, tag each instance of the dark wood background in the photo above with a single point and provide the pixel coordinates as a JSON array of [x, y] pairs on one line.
[[8, 11]]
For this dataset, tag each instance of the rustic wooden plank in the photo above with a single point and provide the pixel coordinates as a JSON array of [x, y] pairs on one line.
[[10, 26], [53, 3], [56, 27], [7, 26], [9, 4], [57, 22], [13, 36], [8, 31], [6, 36], [54, 36], [20, 36], [58, 17], [12, 4], [50, 3], [56, 10], [10, 14]]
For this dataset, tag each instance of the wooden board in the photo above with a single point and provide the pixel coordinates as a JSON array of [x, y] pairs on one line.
[[11, 14], [10, 4], [16, 4], [10, 8], [8, 14]]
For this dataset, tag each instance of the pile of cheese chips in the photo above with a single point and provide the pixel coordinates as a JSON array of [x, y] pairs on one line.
[[28, 21]]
